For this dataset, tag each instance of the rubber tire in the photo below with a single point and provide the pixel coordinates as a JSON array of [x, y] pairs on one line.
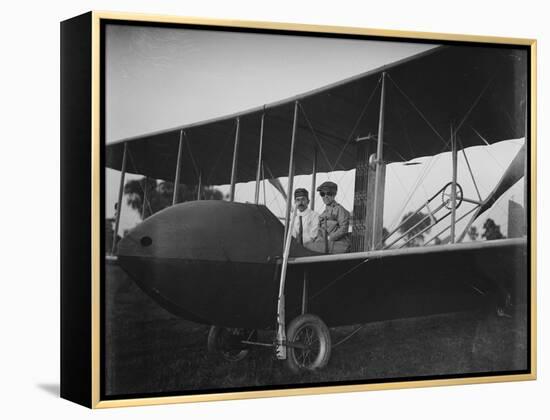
[[215, 345], [321, 333]]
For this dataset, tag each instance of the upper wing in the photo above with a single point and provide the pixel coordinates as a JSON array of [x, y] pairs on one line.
[[481, 90]]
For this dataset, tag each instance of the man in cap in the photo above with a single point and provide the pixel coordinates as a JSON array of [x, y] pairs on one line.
[[306, 223], [333, 222]]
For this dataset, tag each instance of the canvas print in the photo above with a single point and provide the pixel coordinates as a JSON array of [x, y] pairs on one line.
[[287, 209]]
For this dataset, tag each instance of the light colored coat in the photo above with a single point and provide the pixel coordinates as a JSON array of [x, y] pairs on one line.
[[310, 224]]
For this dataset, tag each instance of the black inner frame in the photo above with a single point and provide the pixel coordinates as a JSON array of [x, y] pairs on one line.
[[105, 22]]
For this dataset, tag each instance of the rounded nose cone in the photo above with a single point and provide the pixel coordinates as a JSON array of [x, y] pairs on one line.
[[207, 230], [209, 261]]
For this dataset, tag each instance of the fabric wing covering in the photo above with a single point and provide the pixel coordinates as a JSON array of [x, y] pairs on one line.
[[514, 172], [481, 91]]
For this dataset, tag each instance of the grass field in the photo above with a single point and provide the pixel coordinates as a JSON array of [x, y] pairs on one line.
[[148, 350]]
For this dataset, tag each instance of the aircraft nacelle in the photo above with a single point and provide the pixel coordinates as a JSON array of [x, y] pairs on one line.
[[181, 254], [212, 230]]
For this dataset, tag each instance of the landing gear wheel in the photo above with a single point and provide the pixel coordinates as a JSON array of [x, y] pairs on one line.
[[227, 342], [309, 344]]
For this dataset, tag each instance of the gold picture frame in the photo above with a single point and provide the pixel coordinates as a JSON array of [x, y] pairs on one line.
[[83, 163]]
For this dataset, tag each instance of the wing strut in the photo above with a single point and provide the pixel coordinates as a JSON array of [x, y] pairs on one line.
[[235, 161], [259, 165], [471, 172], [178, 170], [291, 168], [377, 213], [280, 348], [120, 193], [199, 186], [145, 199], [453, 185], [313, 177]]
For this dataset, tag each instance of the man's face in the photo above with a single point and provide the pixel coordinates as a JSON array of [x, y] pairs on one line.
[[328, 197], [301, 203]]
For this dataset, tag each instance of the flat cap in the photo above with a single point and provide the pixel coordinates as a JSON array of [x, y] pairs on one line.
[[301, 192], [328, 186]]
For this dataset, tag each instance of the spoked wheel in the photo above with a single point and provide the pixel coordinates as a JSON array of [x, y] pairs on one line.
[[446, 196], [227, 342], [309, 343]]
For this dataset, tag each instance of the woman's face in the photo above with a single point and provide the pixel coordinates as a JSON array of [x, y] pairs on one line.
[[328, 197]]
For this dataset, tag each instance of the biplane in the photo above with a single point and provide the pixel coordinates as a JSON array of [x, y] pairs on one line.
[[235, 266]]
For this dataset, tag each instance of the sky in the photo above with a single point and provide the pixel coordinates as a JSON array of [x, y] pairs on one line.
[[158, 78]]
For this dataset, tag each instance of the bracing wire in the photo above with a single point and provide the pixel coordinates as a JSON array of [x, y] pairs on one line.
[[467, 114], [340, 277], [357, 121], [417, 110], [349, 137], [474, 104], [218, 158], [195, 167], [469, 168], [314, 134]]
